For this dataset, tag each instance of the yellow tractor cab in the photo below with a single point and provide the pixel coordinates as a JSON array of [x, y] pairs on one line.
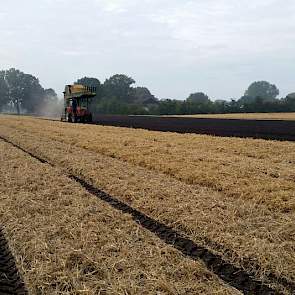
[[76, 103]]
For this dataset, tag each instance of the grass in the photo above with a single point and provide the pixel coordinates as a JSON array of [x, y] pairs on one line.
[[250, 116], [249, 230], [68, 242]]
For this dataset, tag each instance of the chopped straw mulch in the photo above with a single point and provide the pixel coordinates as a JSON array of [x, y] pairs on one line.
[[248, 116], [255, 232], [258, 170], [68, 242]]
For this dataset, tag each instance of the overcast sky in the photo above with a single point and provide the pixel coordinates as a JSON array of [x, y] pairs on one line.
[[174, 47]]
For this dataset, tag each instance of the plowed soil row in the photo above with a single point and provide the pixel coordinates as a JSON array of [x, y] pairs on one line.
[[236, 277], [10, 279], [266, 129]]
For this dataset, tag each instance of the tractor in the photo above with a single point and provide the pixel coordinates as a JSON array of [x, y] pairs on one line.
[[77, 99]]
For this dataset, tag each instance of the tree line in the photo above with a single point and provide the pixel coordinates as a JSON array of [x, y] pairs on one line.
[[117, 96], [20, 92]]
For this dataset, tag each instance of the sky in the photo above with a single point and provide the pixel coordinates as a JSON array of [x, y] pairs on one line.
[[173, 47]]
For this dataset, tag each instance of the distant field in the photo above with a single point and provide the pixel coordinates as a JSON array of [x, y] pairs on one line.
[[250, 116], [266, 129], [234, 196]]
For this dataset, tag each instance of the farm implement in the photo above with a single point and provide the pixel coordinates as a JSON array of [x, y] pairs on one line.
[[77, 100]]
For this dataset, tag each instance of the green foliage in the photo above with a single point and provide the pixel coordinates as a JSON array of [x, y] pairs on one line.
[[262, 89], [169, 107], [22, 91], [118, 96], [92, 82], [4, 91], [119, 86], [289, 101], [117, 107], [88, 81], [198, 103], [115, 96], [291, 96], [50, 94], [199, 98], [143, 96]]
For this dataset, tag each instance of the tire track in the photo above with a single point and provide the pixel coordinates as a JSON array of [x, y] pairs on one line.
[[10, 279], [229, 273]]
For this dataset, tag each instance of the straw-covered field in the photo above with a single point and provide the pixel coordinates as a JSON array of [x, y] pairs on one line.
[[249, 116], [68, 242], [234, 196]]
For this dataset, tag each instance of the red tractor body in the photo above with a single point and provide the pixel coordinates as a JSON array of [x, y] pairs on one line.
[[76, 103]]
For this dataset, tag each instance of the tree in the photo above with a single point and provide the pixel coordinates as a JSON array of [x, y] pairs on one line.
[[119, 87], [262, 89], [169, 107], [91, 82], [289, 102], [291, 95], [50, 94], [198, 97], [33, 94], [15, 82], [220, 106], [143, 96], [199, 103], [246, 99], [4, 91], [23, 91], [88, 81]]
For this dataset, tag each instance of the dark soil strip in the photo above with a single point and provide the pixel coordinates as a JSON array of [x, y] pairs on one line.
[[10, 279], [229, 273], [283, 130], [265, 129]]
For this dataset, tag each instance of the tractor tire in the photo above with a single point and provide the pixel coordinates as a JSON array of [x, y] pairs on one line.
[[10, 280]]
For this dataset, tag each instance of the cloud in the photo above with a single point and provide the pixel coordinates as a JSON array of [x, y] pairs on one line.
[[220, 27], [172, 46], [114, 6]]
